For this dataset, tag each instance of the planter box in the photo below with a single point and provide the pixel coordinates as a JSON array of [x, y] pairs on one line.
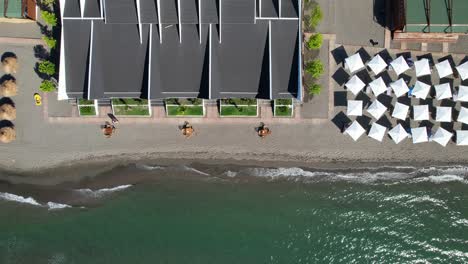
[[239, 111], [190, 110], [283, 108], [131, 107], [87, 107]]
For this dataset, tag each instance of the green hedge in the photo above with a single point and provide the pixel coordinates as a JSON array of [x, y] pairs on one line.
[[238, 111]]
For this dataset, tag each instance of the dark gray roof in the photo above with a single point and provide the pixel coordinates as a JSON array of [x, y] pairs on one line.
[[284, 56], [92, 8], [121, 11], [240, 63], [289, 8], [71, 9], [76, 34], [245, 57], [118, 60]]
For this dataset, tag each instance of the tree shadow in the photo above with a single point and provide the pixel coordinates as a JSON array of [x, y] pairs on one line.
[[340, 98], [341, 120], [339, 55], [341, 76], [40, 52], [379, 12]]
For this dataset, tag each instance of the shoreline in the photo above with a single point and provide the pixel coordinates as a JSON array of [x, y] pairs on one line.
[[76, 170]]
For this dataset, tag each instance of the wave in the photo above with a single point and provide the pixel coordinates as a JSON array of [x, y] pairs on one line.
[[187, 168], [19, 199], [148, 167], [104, 191], [31, 201]]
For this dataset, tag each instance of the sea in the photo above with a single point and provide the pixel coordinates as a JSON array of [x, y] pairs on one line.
[[199, 213]]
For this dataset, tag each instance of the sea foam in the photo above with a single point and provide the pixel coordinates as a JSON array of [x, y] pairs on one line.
[[104, 191]]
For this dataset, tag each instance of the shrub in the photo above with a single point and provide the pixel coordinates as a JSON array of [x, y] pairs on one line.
[[316, 17], [315, 89], [50, 42], [315, 41], [315, 68], [47, 67], [47, 86], [48, 2], [49, 18]]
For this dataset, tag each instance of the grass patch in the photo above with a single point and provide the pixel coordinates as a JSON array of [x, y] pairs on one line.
[[228, 110], [284, 111], [129, 101], [137, 110], [184, 101], [239, 101], [87, 110], [173, 110], [85, 102]]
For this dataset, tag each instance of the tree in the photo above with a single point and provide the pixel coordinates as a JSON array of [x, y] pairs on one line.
[[49, 18], [50, 42], [315, 89], [47, 67], [315, 41], [48, 2], [315, 68], [47, 86], [316, 17]]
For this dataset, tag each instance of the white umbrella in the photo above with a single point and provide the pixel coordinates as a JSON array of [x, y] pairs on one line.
[[462, 93], [376, 109], [400, 111], [354, 108], [444, 68], [442, 136], [421, 90], [399, 87], [355, 130], [377, 64], [378, 86], [421, 112], [463, 70], [377, 132], [399, 65], [443, 91], [398, 133], [355, 85], [463, 115], [422, 67], [354, 63], [419, 134], [444, 114], [462, 137]]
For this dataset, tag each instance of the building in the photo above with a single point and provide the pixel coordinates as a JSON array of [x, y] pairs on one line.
[[428, 20], [19, 9], [158, 49]]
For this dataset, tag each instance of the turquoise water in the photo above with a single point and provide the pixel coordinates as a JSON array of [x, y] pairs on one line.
[[282, 216]]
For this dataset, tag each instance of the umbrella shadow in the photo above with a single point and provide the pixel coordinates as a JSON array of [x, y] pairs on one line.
[[385, 77], [7, 101], [464, 127], [448, 103], [339, 55], [341, 120], [385, 55], [365, 56], [406, 78], [385, 100], [364, 121], [384, 121], [8, 54], [425, 79], [7, 77], [447, 126], [427, 56], [341, 76], [6, 123], [404, 100], [405, 54], [340, 98], [426, 123], [447, 80], [366, 101], [450, 60], [364, 76]]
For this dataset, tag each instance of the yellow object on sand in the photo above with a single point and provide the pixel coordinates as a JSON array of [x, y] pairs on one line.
[[37, 99]]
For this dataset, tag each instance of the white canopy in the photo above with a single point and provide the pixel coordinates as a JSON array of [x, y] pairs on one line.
[[398, 133], [400, 111], [442, 136], [355, 85], [354, 63], [354, 108], [355, 130], [463, 70], [462, 93], [378, 86], [463, 115], [421, 90], [462, 137], [421, 112], [377, 132], [399, 87], [443, 91], [399, 65], [422, 67], [444, 68], [419, 134], [444, 114], [377, 64], [376, 109]]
